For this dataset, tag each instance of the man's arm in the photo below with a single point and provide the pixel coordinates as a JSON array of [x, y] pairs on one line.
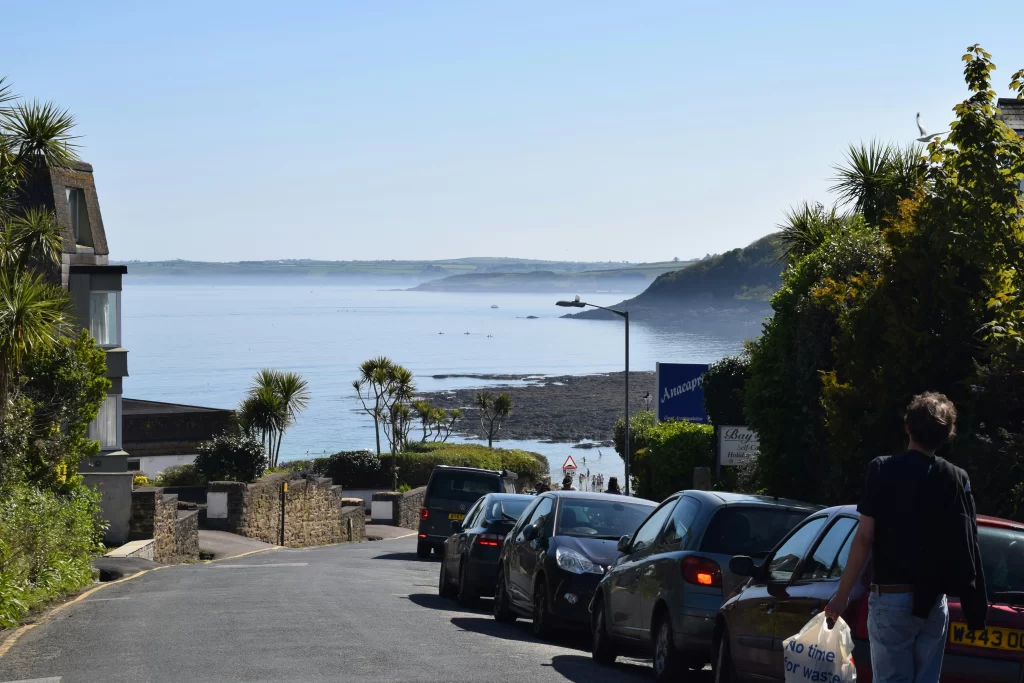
[[860, 551]]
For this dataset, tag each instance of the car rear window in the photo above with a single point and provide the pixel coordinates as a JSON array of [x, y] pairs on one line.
[[464, 487], [752, 531], [600, 518], [1002, 555], [511, 507]]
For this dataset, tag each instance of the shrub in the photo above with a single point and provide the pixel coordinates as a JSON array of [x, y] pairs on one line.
[[231, 457], [665, 465], [179, 475], [46, 543], [140, 480], [353, 469], [296, 466]]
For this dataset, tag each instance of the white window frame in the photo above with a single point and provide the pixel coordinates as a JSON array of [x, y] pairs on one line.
[[117, 292], [117, 418]]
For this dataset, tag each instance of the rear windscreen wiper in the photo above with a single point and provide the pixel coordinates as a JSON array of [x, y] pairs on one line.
[[1009, 597]]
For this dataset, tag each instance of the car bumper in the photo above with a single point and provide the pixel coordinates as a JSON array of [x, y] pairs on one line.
[[431, 539], [483, 574], [569, 586], [694, 631]]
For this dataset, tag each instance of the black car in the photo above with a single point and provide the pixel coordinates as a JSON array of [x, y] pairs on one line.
[[556, 554], [469, 564], [451, 491]]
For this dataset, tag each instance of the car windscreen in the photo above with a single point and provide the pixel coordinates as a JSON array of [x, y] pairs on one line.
[[507, 509], [1002, 556], [464, 487], [752, 531], [599, 518]]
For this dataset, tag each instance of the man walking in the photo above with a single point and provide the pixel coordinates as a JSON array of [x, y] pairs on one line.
[[917, 522]]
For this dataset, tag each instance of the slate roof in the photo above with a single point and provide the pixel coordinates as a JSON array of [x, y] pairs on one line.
[[1012, 113]]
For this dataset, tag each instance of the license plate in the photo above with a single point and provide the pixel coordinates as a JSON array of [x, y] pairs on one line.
[[993, 638], [455, 515]]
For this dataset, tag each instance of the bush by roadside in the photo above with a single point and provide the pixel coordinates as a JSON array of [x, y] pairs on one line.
[[665, 453], [179, 475], [46, 542], [231, 457]]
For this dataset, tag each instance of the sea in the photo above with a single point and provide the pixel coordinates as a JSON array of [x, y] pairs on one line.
[[199, 342]]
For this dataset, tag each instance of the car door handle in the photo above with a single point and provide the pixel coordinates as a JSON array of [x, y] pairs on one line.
[[770, 607]]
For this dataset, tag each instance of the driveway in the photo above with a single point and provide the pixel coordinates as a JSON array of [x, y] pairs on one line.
[[360, 612]]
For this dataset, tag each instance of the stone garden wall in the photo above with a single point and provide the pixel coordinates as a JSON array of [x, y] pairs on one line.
[[155, 515]]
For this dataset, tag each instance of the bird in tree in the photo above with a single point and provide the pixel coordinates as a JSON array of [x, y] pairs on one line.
[[493, 409]]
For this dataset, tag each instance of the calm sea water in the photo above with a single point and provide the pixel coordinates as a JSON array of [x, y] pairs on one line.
[[201, 343]]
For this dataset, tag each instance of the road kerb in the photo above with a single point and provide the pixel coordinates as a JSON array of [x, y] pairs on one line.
[[9, 642], [412, 533], [251, 552]]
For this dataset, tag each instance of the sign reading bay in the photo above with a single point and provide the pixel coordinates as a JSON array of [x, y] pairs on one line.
[[737, 445], [681, 392]]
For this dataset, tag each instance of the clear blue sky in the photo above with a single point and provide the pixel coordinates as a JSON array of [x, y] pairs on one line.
[[586, 130]]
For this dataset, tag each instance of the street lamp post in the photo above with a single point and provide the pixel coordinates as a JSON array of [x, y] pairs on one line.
[[576, 303]]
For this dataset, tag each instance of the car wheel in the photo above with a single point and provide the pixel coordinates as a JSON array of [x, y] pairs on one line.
[[444, 589], [667, 664], [541, 612], [422, 550], [502, 609], [724, 670], [467, 591], [601, 648]]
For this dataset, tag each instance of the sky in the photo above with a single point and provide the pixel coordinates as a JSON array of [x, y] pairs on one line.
[[589, 130]]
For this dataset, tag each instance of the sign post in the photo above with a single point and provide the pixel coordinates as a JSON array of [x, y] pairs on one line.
[[569, 465]]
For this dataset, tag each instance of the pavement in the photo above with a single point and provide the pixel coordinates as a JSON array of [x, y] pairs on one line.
[[349, 612], [386, 531], [222, 544]]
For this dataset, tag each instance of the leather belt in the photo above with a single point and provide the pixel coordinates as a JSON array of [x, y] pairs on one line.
[[891, 588]]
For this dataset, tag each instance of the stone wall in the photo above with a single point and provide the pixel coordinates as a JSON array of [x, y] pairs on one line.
[[314, 511], [155, 515], [407, 509]]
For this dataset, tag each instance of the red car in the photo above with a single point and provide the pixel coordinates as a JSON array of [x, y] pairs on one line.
[[797, 579]]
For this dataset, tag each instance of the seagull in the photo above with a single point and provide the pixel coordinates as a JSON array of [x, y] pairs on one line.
[[925, 137]]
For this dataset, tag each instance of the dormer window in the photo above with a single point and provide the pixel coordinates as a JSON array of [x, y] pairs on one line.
[[79, 216]]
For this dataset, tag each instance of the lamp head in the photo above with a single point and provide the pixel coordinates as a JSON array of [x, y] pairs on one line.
[[575, 303]]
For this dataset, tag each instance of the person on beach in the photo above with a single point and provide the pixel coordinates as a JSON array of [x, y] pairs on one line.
[[567, 483], [918, 524], [613, 485]]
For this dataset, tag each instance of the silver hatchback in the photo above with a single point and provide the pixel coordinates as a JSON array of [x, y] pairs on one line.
[[662, 594]]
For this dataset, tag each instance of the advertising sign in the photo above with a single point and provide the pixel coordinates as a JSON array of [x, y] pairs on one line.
[[737, 445], [681, 392]]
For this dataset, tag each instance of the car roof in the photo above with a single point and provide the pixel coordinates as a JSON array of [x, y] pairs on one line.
[[985, 520], [510, 496], [473, 470], [730, 498], [594, 495]]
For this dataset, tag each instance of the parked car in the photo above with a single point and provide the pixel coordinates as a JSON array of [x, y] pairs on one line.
[[797, 580], [555, 555], [469, 564], [451, 491], [663, 593]]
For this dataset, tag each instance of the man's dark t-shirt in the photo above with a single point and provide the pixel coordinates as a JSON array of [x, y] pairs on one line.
[[925, 528]]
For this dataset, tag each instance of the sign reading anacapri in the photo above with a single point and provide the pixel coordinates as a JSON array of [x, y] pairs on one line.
[[737, 445], [681, 392]]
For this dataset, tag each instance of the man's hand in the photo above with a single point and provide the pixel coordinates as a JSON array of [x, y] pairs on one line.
[[837, 605]]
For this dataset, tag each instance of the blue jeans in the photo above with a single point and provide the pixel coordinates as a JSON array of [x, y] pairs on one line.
[[905, 648]]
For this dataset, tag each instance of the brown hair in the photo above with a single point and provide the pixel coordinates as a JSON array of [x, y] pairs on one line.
[[931, 419]]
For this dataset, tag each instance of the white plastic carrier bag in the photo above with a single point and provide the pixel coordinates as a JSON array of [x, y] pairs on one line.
[[819, 653]]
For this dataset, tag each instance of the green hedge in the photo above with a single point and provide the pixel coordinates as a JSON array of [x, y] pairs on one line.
[[362, 469], [46, 543], [672, 449]]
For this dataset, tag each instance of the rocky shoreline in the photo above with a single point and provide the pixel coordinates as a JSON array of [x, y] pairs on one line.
[[562, 409]]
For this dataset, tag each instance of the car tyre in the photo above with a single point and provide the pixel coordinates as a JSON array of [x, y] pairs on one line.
[[422, 550], [601, 647], [502, 608], [668, 665], [444, 588], [724, 670], [468, 593], [541, 611]]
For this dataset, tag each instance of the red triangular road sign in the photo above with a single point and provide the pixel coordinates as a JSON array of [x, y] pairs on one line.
[[569, 464]]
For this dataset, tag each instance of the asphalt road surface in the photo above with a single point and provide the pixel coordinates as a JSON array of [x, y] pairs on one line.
[[360, 612]]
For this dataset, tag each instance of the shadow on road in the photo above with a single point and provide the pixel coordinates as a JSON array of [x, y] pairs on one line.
[[581, 668], [435, 601], [408, 556], [521, 631]]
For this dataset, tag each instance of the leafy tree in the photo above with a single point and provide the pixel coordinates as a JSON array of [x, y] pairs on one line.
[[231, 457], [425, 412], [671, 452], [373, 380], [493, 409], [724, 386], [444, 422]]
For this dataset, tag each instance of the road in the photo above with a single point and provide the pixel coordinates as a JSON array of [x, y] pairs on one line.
[[357, 612]]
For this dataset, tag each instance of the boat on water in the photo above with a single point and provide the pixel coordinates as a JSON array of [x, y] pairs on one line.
[[494, 305]]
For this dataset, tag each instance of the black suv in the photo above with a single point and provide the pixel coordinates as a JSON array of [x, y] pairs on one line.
[[450, 492]]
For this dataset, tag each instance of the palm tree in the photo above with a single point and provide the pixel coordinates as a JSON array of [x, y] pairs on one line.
[[806, 228], [33, 315], [274, 401], [493, 409], [876, 177], [425, 412], [373, 378]]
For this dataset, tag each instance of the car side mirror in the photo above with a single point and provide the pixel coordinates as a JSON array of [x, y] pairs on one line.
[[742, 565], [624, 542], [531, 532], [456, 524]]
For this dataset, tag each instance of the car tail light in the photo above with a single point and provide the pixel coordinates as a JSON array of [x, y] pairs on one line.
[[490, 540], [702, 572], [424, 513]]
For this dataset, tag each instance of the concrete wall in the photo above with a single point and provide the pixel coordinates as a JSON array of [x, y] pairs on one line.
[[175, 533], [314, 512], [155, 464], [404, 508], [115, 489], [365, 494]]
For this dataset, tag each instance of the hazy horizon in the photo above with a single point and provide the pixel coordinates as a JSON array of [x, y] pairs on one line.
[[581, 131]]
